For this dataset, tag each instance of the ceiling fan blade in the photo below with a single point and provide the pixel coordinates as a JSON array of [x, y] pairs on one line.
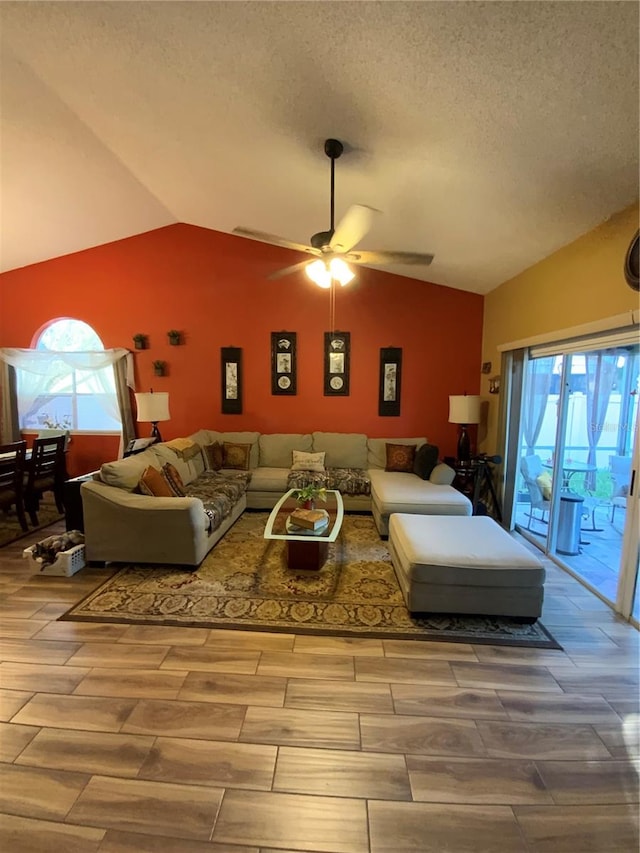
[[288, 270], [379, 258], [352, 227], [275, 241]]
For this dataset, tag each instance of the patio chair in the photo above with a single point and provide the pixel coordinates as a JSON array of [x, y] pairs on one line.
[[45, 472], [620, 469], [12, 463], [531, 469]]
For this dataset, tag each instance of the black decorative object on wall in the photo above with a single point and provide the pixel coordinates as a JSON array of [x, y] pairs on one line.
[[231, 380], [390, 376], [284, 369], [337, 352]]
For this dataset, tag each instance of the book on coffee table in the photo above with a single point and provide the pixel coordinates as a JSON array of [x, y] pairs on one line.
[[309, 519]]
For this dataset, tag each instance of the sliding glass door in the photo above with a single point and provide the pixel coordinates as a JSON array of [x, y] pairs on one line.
[[577, 451]]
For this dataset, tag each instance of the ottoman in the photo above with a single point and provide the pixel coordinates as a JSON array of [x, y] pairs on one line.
[[456, 564]]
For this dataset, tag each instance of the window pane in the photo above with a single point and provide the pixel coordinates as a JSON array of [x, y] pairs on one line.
[[78, 400]]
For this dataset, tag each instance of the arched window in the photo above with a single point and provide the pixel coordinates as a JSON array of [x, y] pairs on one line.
[[81, 400]]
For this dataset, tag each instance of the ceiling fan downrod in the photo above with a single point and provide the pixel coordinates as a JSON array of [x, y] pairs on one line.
[[333, 148]]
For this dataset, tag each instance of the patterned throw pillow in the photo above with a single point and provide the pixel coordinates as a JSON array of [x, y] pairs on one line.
[[173, 478], [236, 456], [154, 484], [303, 461], [400, 457], [213, 456]]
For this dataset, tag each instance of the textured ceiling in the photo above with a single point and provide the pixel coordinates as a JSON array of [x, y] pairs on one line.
[[490, 134]]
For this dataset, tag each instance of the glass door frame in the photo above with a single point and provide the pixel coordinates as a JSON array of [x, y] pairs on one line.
[[514, 368]]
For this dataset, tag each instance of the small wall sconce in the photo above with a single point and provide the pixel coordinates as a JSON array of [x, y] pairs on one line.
[[494, 385]]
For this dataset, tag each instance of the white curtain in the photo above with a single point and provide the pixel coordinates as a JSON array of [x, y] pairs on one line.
[[42, 368]]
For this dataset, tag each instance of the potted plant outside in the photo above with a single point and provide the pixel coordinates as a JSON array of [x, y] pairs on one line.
[[158, 367], [174, 337], [308, 495], [140, 341]]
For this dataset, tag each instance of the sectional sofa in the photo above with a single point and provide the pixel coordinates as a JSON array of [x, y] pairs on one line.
[[122, 525]]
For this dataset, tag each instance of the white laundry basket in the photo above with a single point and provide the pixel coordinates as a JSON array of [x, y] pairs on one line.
[[66, 563]]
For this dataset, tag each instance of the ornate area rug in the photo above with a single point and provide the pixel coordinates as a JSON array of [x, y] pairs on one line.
[[244, 583], [10, 529]]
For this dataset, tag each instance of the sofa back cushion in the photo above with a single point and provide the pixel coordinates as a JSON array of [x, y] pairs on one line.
[[342, 449], [276, 449], [188, 469], [125, 473], [377, 449]]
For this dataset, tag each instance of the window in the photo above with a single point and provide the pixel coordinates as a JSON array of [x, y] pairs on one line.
[[66, 392]]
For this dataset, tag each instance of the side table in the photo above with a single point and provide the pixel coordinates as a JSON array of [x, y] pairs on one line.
[[74, 516]]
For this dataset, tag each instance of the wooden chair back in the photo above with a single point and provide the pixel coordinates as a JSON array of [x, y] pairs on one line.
[[46, 468], [12, 467]]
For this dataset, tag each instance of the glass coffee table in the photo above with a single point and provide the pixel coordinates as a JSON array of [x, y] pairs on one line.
[[306, 549]]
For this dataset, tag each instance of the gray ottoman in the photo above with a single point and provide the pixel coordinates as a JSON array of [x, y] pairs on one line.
[[453, 564]]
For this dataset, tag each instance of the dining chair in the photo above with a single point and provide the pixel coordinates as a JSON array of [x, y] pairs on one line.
[[45, 473], [12, 466]]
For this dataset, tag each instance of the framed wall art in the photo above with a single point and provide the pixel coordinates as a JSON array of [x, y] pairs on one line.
[[231, 380], [284, 371], [337, 352], [390, 376]]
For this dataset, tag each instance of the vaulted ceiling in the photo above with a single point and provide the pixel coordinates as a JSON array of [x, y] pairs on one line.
[[490, 134]]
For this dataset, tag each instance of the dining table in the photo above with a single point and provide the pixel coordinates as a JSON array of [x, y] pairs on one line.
[[570, 469]]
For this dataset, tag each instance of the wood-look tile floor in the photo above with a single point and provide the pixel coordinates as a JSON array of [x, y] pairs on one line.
[[129, 738]]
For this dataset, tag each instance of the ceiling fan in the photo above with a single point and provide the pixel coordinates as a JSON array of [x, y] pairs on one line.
[[333, 248]]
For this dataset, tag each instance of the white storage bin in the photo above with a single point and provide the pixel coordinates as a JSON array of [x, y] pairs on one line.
[[66, 563]]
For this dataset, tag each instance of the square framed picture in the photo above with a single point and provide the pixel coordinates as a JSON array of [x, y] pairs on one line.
[[284, 367], [337, 353], [390, 377], [231, 380]]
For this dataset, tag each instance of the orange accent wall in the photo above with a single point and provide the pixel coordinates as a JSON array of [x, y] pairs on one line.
[[213, 287]]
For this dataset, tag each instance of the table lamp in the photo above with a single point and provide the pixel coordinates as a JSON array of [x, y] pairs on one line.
[[464, 410], [153, 408]]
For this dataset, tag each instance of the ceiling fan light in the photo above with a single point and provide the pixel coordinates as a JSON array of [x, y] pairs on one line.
[[319, 273], [341, 271]]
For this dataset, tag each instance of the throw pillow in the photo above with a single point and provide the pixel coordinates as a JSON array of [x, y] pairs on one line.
[[236, 456], [213, 456], [154, 484], [400, 457], [544, 483], [303, 461], [173, 478], [425, 461]]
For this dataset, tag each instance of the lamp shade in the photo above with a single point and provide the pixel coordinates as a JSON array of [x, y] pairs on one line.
[[464, 409], [153, 407]]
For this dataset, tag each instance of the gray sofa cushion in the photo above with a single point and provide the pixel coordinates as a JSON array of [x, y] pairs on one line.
[[342, 449], [276, 448]]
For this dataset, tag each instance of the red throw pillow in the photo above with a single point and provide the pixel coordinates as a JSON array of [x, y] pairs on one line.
[[400, 457], [154, 484]]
